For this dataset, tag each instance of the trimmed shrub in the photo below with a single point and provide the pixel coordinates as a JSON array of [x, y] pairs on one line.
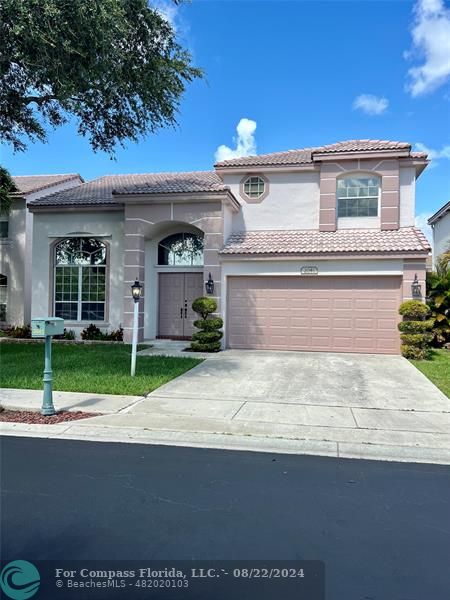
[[204, 347], [415, 330], [412, 352], [415, 310], [204, 306], [209, 336], [92, 333], [116, 335], [420, 340], [19, 332], [416, 326], [209, 324]]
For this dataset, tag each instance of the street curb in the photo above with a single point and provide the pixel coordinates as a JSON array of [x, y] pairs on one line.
[[341, 450]]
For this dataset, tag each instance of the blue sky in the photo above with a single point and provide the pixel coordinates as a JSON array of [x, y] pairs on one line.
[[305, 73]]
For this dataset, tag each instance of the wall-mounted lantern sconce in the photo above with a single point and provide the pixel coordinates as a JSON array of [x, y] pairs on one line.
[[209, 286], [416, 288]]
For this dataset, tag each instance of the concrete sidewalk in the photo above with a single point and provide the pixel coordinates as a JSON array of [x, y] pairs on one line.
[[16, 399], [352, 406]]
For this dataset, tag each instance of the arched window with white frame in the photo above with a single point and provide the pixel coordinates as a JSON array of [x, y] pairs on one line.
[[80, 279], [358, 195]]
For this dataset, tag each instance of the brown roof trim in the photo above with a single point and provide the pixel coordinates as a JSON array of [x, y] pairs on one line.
[[439, 214]]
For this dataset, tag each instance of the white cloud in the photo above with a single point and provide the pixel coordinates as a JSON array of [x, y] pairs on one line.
[[370, 104], [422, 224], [245, 142], [433, 154], [168, 10], [431, 42]]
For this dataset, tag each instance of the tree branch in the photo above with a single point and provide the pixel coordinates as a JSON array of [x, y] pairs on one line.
[[39, 99]]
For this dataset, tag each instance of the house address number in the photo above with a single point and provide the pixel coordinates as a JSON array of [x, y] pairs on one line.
[[309, 270]]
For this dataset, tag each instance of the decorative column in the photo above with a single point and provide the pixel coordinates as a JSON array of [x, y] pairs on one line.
[[327, 213]]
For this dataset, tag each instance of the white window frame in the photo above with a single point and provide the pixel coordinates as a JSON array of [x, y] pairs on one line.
[[359, 175], [80, 268]]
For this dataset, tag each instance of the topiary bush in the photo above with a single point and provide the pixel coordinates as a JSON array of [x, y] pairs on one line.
[[209, 324], [415, 330], [416, 326], [204, 306], [209, 336], [414, 310]]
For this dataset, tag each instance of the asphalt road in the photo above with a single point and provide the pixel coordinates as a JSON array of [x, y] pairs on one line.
[[382, 529]]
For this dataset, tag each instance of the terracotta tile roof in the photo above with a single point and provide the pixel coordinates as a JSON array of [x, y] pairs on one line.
[[29, 184], [171, 183], [101, 191], [406, 239], [306, 155]]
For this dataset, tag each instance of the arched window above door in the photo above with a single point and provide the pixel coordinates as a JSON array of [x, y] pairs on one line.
[[181, 250]]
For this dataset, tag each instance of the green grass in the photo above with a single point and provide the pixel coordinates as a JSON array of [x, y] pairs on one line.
[[96, 368], [437, 369]]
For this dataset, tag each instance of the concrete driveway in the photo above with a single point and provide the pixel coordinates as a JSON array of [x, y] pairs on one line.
[[316, 403]]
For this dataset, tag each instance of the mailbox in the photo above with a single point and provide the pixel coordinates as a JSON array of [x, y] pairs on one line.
[[44, 326]]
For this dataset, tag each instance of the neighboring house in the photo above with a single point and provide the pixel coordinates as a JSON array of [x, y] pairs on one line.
[[16, 233], [440, 224], [308, 249]]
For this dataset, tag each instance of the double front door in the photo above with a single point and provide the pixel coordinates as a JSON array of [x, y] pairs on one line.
[[177, 291]]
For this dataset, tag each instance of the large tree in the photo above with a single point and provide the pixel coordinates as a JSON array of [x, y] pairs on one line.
[[113, 65], [7, 187]]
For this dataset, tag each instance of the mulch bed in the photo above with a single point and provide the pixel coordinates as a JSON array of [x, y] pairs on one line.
[[34, 417]]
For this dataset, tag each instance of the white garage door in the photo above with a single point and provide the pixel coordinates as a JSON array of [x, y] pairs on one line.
[[332, 314]]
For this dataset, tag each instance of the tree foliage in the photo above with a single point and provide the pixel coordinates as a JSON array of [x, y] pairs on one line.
[[7, 187], [113, 65], [438, 293]]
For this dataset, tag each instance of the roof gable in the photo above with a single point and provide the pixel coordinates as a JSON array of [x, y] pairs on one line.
[[439, 214]]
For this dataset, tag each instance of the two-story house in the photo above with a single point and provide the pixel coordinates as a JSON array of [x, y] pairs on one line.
[[309, 249], [16, 233]]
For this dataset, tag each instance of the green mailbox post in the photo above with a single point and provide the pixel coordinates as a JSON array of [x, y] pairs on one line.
[[47, 327]]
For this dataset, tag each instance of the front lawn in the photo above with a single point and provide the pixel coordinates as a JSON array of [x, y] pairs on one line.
[[437, 369], [96, 368]]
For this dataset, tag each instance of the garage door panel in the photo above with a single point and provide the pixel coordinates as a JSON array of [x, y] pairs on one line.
[[344, 314]]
